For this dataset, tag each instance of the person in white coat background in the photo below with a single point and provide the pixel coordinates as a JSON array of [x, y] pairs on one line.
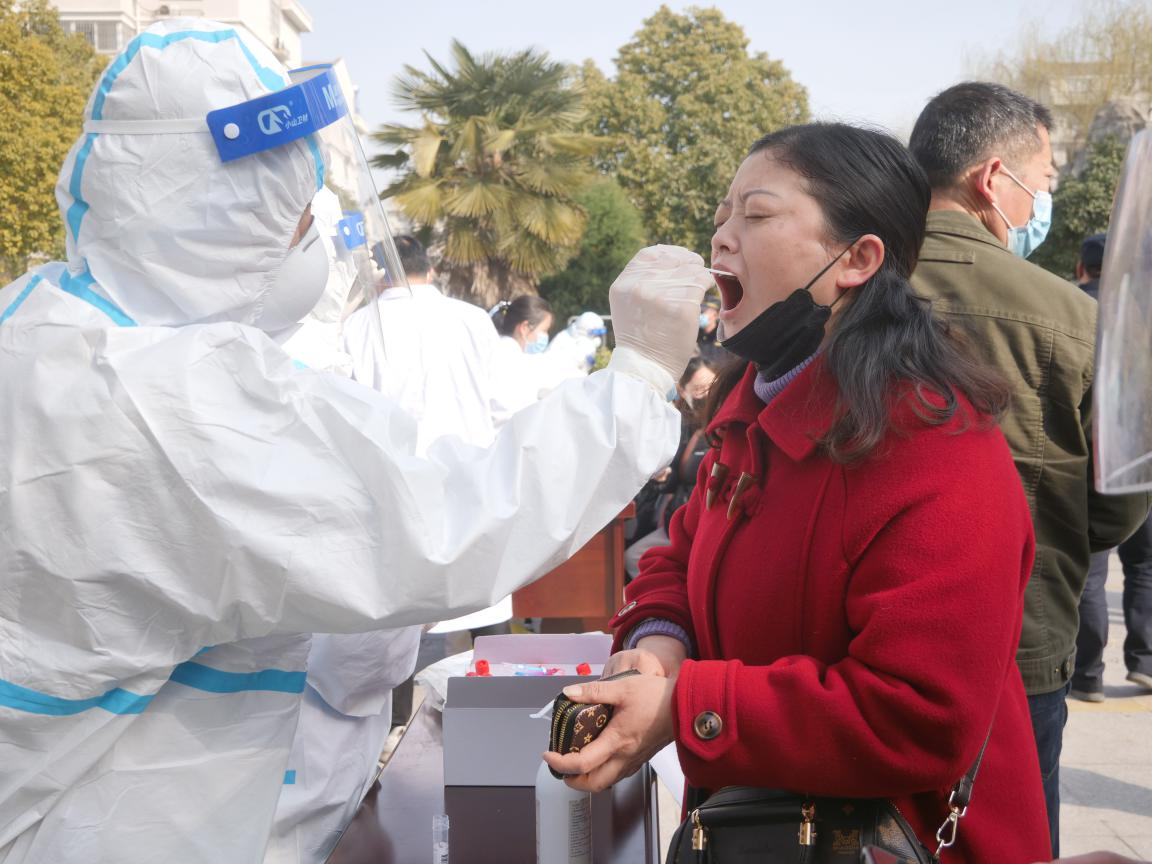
[[521, 374], [435, 359], [182, 505]]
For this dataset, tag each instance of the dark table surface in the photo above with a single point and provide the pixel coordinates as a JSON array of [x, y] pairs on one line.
[[489, 824]]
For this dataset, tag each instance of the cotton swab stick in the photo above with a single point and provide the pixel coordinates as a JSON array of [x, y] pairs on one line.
[[720, 272]]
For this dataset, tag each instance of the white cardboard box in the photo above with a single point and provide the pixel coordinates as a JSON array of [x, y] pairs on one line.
[[490, 739]]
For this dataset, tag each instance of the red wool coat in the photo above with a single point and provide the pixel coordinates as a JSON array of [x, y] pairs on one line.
[[856, 626]]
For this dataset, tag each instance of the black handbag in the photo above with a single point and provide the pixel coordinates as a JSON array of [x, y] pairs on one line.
[[770, 826]]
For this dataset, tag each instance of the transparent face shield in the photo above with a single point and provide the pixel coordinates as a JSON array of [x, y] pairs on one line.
[[1123, 384], [347, 219]]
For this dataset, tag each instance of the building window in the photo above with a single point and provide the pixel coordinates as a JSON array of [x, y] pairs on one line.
[[104, 36], [107, 37]]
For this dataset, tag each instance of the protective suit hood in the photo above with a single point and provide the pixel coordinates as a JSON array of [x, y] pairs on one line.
[[156, 224], [587, 324]]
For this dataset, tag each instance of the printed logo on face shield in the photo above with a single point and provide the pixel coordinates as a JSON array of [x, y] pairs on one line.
[[277, 119], [332, 96]]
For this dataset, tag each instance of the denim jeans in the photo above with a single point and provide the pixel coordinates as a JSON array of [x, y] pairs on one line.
[[1093, 633], [1136, 556], [1049, 714]]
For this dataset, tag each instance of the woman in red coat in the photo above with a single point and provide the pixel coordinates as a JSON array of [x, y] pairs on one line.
[[839, 606]]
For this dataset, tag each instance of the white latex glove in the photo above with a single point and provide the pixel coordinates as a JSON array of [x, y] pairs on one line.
[[656, 313]]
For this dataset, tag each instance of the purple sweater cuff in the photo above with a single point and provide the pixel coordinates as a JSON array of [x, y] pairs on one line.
[[658, 627]]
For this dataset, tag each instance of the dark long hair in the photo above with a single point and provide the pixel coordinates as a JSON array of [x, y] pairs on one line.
[[866, 182], [527, 307]]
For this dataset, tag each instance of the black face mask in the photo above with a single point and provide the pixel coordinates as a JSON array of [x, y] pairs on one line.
[[786, 333]]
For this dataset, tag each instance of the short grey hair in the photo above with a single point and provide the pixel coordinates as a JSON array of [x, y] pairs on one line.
[[970, 122]]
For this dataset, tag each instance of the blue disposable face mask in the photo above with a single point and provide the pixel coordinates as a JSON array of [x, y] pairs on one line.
[[1024, 240], [537, 345], [704, 321]]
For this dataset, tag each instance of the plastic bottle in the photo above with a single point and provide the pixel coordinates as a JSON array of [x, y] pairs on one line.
[[440, 839], [563, 821]]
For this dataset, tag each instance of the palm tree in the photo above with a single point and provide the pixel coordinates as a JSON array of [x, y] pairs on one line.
[[492, 169]]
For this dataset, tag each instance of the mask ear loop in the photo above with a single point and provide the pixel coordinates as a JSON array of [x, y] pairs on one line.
[[1019, 183], [828, 267]]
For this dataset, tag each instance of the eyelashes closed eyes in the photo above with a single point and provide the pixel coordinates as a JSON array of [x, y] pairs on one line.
[[748, 217]]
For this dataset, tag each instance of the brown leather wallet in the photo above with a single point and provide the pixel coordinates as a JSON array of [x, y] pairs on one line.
[[576, 725]]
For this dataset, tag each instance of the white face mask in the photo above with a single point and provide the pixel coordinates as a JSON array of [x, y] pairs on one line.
[[299, 284]]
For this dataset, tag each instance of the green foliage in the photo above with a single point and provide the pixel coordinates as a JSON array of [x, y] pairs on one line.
[[686, 104], [614, 233], [603, 355], [492, 169], [1081, 206], [45, 78]]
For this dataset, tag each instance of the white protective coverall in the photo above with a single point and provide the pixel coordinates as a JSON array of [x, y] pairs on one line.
[[520, 379], [181, 504], [436, 362], [574, 348]]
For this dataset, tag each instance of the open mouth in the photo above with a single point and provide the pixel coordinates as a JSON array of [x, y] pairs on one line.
[[731, 291]]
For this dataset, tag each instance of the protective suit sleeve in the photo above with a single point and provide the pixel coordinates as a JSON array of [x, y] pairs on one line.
[[284, 500]]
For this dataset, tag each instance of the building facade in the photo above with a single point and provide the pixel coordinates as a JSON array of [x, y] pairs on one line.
[[110, 24]]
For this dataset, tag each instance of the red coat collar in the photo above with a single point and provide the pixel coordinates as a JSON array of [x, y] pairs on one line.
[[795, 420]]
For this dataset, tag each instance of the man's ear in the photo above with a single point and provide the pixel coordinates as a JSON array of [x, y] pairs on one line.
[[980, 178]]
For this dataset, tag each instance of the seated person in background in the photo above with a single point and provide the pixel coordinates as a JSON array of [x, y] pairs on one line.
[[838, 609], [671, 486]]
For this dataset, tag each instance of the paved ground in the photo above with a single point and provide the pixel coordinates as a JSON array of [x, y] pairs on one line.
[[1106, 771]]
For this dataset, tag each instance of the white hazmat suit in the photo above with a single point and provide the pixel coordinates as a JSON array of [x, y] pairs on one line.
[[573, 351], [181, 504]]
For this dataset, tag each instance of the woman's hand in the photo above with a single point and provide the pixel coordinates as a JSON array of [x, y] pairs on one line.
[[640, 727], [1096, 858], [636, 658]]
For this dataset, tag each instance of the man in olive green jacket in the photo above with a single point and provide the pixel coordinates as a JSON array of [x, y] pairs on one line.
[[988, 157]]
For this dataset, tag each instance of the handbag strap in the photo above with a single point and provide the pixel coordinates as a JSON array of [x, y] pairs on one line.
[[959, 799], [962, 791]]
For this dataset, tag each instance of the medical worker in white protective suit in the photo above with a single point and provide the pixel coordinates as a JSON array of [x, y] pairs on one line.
[[573, 350], [182, 504]]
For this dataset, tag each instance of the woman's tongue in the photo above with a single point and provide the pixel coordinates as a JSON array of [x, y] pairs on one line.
[[731, 291]]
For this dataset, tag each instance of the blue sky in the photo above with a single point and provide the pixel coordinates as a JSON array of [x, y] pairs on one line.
[[873, 60]]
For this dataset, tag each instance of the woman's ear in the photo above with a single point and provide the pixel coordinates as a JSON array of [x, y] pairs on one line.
[[863, 259]]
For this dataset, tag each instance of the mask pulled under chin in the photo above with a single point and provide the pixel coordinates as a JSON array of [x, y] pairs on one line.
[[298, 285], [782, 336], [786, 333]]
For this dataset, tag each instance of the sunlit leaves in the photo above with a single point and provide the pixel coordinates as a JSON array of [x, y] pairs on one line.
[[45, 78], [493, 166], [688, 100]]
